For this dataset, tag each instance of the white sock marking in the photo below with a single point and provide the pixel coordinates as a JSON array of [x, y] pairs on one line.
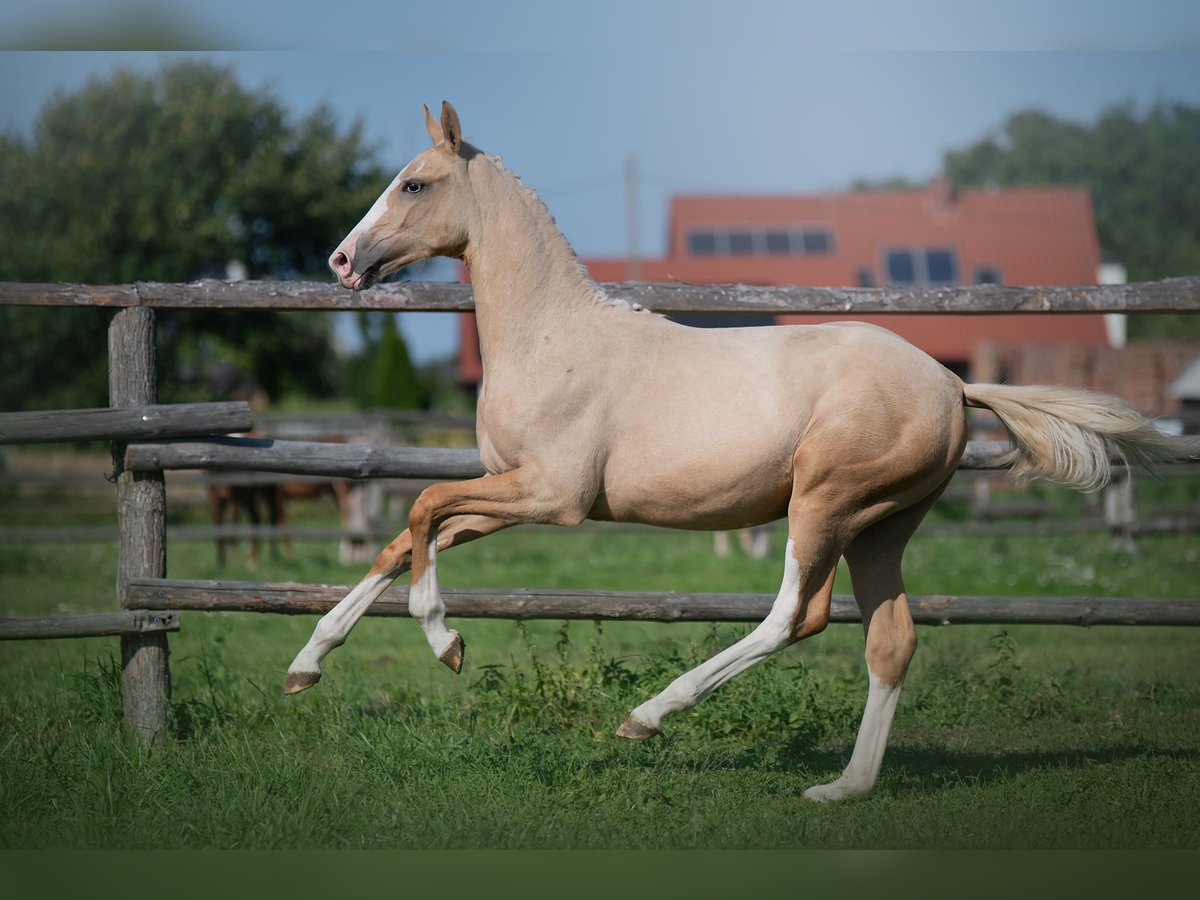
[[772, 634], [425, 604], [863, 769], [334, 627]]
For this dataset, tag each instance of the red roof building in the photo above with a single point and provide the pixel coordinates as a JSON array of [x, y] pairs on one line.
[[873, 238]]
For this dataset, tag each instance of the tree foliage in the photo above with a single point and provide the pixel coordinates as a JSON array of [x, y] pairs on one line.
[[169, 178], [1143, 172], [393, 379]]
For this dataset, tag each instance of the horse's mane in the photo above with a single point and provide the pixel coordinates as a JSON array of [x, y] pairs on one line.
[[538, 209]]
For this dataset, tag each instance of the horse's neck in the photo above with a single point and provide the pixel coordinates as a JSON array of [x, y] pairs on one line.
[[527, 280]]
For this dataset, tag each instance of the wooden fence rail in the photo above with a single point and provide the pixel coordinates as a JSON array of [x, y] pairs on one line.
[[524, 603], [149, 602], [1168, 295], [305, 458], [365, 461], [138, 423], [125, 622]]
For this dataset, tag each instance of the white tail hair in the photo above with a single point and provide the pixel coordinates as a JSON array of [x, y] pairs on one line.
[[1069, 435]]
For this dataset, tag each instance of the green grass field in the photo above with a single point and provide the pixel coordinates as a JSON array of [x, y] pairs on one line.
[[1031, 737]]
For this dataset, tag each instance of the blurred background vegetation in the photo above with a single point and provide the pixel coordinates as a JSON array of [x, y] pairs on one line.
[[1143, 173], [175, 177]]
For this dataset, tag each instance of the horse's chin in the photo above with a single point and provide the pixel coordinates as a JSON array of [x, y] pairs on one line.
[[360, 281]]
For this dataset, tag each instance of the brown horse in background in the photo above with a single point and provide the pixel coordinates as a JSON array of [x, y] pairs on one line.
[[263, 500]]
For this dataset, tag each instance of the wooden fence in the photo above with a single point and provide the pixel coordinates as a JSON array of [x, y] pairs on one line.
[[148, 438]]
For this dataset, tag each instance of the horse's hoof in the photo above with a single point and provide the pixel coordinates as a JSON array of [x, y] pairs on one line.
[[452, 656], [636, 730], [834, 792], [300, 681]]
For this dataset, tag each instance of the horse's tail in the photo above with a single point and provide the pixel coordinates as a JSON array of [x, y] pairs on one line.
[[1069, 435]]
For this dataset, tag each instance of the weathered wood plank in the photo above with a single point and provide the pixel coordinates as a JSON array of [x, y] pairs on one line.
[[412, 296], [368, 461], [17, 293], [125, 622], [1172, 295], [1168, 295], [175, 420], [305, 458], [521, 603], [104, 533]]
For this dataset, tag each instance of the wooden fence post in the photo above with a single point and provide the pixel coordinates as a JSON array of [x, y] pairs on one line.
[[141, 513]]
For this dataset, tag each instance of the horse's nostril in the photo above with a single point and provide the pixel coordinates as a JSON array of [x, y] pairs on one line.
[[339, 262]]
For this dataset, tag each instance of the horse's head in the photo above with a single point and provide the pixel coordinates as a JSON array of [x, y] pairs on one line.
[[420, 214]]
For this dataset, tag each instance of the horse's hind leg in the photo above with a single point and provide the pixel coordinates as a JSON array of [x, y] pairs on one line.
[[874, 558], [800, 609]]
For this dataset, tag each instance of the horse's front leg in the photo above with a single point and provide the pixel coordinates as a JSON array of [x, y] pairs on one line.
[[395, 559], [426, 606], [516, 497]]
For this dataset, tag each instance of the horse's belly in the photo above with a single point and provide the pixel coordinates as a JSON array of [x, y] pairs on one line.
[[694, 497]]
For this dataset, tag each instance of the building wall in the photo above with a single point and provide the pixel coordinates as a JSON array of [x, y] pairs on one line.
[[1141, 372]]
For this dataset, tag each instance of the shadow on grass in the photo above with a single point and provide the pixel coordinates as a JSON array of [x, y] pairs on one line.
[[907, 771], [923, 770]]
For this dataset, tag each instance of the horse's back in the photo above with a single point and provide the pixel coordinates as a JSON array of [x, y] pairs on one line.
[[708, 432]]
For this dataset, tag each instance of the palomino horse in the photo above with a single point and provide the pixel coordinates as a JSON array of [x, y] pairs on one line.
[[593, 409]]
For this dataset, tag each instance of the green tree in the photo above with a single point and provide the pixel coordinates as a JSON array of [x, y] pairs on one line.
[[1143, 173], [393, 380], [169, 178]]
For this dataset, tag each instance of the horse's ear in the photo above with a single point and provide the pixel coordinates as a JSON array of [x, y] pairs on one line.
[[432, 126], [451, 130]]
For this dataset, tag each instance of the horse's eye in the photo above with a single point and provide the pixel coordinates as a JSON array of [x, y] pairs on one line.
[[412, 187]]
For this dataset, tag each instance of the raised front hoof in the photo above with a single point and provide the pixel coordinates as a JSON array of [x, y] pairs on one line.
[[300, 681], [452, 656], [636, 730]]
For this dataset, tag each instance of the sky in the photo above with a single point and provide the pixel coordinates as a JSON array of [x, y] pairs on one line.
[[702, 96]]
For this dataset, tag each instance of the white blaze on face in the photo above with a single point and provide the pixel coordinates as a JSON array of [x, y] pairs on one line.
[[378, 208]]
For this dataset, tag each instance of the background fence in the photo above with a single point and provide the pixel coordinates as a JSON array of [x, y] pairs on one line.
[[148, 439]]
